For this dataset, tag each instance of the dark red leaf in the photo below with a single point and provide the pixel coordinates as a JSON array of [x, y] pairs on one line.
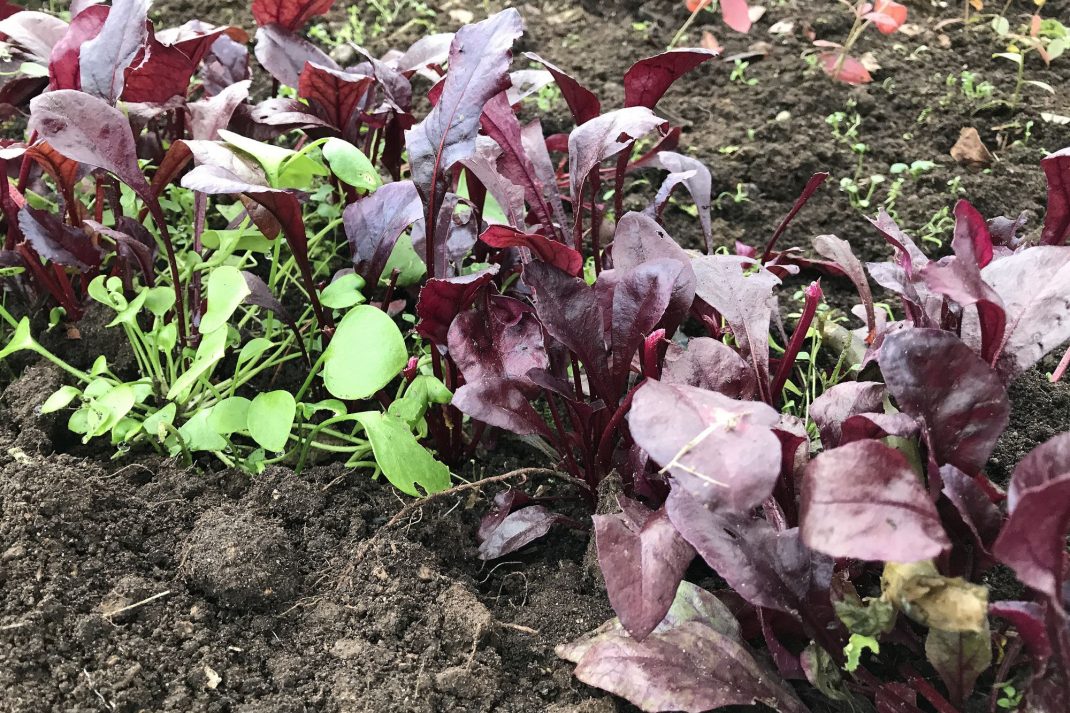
[[500, 338], [581, 101], [56, 241], [602, 137], [374, 223], [63, 69], [864, 500], [63, 170], [442, 299], [978, 513], [960, 280], [291, 14], [1057, 218], [643, 563], [837, 404], [717, 449], [1030, 619], [958, 397], [159, 73], [647, 80], [550, 251], [641, 297], [896, 698], [878, 425], [334, 94]]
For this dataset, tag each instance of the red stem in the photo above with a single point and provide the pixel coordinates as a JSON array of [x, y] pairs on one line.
[[798, 337]]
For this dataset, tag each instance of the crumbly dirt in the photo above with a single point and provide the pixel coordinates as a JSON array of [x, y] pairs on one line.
[[136, 585]]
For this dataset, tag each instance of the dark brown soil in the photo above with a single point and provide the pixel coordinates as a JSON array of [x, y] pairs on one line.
[[138, 585]]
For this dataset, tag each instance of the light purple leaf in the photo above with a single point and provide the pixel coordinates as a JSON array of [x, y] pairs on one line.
[[520, 528], [103, 59], [638, 239], [864, 500], [718, 449], [284, 54], [602, 137], [839, 251], [208, 116], [504, 403], [709, 364], [837, 404], [374, 223], [696, 178], [36, 33]]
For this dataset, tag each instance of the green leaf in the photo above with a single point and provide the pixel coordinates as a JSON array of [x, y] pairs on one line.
[[199, 436], [209, 352], [332, 406], [343, 292], [226, 290], [351, 165], [154, 424], [404, 462], [406, 261], [21, 339], [230, 415], [271, 416], [420, 394], [252, 350], [269, 156], [227, 242], [854, 648], [106, 411], [159, 300], [366, 352], [60, 399]]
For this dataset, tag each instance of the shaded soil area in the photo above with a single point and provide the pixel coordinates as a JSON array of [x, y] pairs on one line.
[[134, 585]]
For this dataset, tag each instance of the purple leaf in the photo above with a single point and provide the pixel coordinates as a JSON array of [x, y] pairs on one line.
[[638, 239], [694, 661], [333, 94], [696, 178], [260, 296], [711, 365], [479, 65], [56, 241], [499, 339], [87, 129], [971, 240], [647, 80], [483, 166], [225, 63], [504, 403], [1033, 285], [746, 303], [640, 299], [1057, 218], [534, 144], [549, 251], [877, 425], [569, 311], [208, 116], [837, 404], [291, 14], [839, 251], [643, 563], [427, 51], [607, 135], [284, 113], [63, 69], [864, 500], [374, 223], [284, 54], [520, 528], [1033, 541], [957, 397], [103, 59], [581, 101], [442, 299], [960, 280], [978, 513], [717, 449]]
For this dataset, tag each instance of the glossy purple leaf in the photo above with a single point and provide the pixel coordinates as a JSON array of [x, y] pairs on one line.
[[531, 137], [1033, 541], [103, 60], [549, 251], [208, 116], [581, 101], [693, 175], [56, 241], [643, 562], [694, 661], [839, 252], [520, 528], [225, 63], [878, 425], [864, 500], [960, 280], [442, 299], [638, 239], [504, 403], [746, 303], [500, 124], [333, 94], [501, 338], [284, 54], [971, 240], [285, 113], [640, 300], [709, 364], [1033, 285], [837, 404], [607, 135], [260, 296], [958, 397], [161, 72], [1057, 217], [479, 65], [569, 311], [647, 80], [429, 50], [717, 449], [374, 223], [291, 14]]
